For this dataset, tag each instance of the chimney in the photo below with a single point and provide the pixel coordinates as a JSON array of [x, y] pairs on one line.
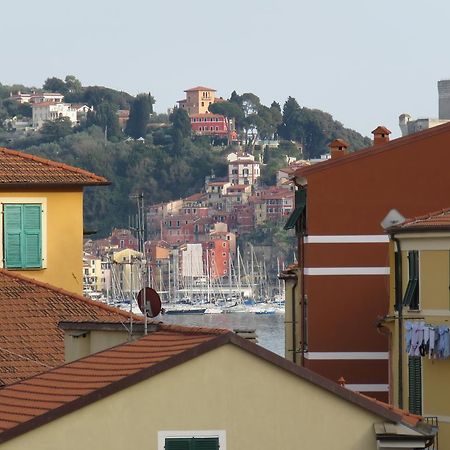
[[338, 148], [380, 135]]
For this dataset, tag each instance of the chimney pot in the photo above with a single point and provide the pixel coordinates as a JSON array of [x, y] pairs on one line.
[[338, 148], [341, 381], [380, 135]]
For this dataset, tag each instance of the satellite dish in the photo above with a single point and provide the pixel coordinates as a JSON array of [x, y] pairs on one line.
[[393, 218], [149, 302]]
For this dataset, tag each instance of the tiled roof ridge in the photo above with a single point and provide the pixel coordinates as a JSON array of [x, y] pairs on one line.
[[192, 329], [192, 351], [411, 418], [50, 163], [62, 291], [373, 150], [430, 215]]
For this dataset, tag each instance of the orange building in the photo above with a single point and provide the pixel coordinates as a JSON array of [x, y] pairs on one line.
[[196, 104], [343, 276]]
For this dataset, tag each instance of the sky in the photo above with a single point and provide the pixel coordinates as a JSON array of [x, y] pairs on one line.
[[363, 62]]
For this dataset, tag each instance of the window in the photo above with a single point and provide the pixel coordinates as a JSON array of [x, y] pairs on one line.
[[23, 235], [411, 298], [191, 440]]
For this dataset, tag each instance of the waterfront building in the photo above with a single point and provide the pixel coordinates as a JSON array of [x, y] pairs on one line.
[[343, 274]]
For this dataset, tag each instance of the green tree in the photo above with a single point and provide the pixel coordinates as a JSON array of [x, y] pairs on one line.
[[181, 129], [106, 118], [56, 129], [73, 85], [54, 84], [140, 111]]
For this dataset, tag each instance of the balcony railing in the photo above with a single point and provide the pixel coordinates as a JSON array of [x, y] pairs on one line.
[[434, 422]]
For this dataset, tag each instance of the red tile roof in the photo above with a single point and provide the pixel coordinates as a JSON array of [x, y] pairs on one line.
[[30, 340], [435, 221], [45, 397], [199, 88], [18, 168], [372, 151]]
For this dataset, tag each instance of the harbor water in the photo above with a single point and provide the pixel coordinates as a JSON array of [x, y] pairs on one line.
[[269, 328]]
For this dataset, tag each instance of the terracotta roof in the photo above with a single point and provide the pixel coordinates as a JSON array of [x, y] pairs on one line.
[[381, 130], [45, 397], [219, 116], [435, 221], [338, 143], [18, 168], [372, 151], [195, 197], [199, 88], [30, 340]]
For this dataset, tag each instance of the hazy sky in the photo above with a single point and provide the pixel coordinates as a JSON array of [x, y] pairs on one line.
[[363, 62]]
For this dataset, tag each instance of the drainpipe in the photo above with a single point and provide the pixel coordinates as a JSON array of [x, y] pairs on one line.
[[399, 301], [303, 298], [294, 322], [301, 262]]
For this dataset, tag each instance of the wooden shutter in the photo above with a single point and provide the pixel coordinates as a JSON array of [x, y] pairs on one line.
[[415, 384], [206, 443], [22, 235], [178, 444], [12, 225], [32, 237], [209, 443]]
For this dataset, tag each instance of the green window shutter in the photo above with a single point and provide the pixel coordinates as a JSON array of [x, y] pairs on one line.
[[415, 384], [32, 236], [12, 220], [206, 443], [178, 444], [22, 235], [300, 203], [209, 443]]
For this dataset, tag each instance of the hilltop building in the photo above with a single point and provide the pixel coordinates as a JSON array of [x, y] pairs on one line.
[[408, 125], [203, 122]]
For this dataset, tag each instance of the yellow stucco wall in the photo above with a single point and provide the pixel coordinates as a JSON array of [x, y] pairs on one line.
[[257, 404], [434, 281], [78, 344], [64, 237]]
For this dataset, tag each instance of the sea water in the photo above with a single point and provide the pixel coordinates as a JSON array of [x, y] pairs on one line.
[[269, 328]]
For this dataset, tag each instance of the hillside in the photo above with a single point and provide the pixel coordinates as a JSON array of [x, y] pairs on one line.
[[169, 162]]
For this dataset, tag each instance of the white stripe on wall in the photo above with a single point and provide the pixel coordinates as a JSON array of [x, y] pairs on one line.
[[346, 355], [368, 387], [353, 239], [347, 271]]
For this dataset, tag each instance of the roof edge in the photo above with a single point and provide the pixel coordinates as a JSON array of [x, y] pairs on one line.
[[99, 180], [62, 291]]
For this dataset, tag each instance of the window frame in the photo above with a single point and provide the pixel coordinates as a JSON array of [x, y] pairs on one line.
[[411, 298], [23, 201], [167, 434]]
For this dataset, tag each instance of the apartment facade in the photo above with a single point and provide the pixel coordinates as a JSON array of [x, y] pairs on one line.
[[343, 273]]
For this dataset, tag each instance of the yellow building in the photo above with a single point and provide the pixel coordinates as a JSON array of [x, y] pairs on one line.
[[198, 99], [41, 233], [196, 388], [419, 317], [127, 271]]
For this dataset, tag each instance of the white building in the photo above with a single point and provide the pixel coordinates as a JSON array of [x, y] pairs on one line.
[[243, 169], [49, 111]]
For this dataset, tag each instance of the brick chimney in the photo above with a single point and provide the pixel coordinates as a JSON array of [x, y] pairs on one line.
[[380, 135], [338, 148]]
